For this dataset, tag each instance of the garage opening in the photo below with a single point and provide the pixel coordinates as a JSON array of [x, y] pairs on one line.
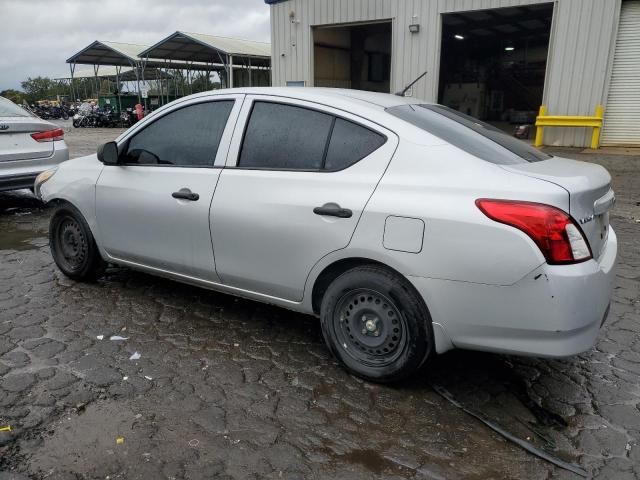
[[493, 63], [353, 56]]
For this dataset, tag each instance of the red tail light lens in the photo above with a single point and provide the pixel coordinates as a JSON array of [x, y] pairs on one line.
[[556, 234], [49, 135]]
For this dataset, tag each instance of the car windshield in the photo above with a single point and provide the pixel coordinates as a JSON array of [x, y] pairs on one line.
[[469, 134], [10, 109]]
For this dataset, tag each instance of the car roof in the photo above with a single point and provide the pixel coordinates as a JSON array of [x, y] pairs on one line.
[[338, 97]]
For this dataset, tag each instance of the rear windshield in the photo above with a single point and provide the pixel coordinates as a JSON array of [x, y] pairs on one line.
[[10, 109], [469, 134]]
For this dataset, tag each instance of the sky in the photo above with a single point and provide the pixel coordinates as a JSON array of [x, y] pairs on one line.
[[37, 36]]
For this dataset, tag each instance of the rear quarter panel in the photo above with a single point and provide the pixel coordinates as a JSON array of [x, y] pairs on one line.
[[439, 184]]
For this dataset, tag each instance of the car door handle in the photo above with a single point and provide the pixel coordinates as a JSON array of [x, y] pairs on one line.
[[333, 210], [185, 194]]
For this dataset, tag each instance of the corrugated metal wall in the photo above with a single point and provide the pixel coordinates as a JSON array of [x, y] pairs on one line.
[[579, 61]]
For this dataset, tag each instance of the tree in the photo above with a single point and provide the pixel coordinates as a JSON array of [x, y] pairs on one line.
[[41, 88]]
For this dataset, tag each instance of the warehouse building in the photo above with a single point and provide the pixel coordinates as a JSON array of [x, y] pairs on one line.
[[498, 60]]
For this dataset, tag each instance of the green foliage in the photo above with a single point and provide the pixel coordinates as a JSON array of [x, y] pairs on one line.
[[43, 88]]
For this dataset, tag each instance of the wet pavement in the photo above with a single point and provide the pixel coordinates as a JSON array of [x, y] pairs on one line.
[[229, 388]]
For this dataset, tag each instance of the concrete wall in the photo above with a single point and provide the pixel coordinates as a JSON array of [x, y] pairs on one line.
[[580, 54]]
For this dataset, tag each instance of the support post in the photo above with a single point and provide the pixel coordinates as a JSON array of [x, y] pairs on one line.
[[230, 71], [96, 68], [72, 67], [540, 129], [595, 135], [144, 65], [118, 70], [135, 69]]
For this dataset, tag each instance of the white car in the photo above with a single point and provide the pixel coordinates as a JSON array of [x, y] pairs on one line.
[[28, 146], [407, 227]]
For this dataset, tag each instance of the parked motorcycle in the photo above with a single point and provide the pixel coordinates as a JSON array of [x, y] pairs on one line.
[[90, 116], [128, 117]]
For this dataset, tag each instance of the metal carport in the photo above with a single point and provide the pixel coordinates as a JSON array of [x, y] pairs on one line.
[[114, 73], [113, 54], [121, 55], [230, 54]]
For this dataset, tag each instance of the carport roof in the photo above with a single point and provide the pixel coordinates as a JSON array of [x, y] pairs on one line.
[[197, 47], [108, 53], [126, 74]]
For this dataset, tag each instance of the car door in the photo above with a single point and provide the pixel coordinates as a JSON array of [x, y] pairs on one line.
[[152, 208], [298, 177]]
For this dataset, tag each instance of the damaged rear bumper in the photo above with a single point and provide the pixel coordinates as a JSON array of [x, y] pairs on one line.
[[555, 311]]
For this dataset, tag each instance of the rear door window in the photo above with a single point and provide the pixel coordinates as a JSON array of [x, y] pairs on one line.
[[285, 137], [469, 134], [349, 144], [289, 137]]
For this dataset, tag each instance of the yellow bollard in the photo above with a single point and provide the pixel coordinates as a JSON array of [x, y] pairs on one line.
[[539, 129], [595, 135]]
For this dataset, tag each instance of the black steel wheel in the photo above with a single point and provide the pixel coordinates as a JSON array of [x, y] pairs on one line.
[[72, 244], [376, 324], [371, 325]]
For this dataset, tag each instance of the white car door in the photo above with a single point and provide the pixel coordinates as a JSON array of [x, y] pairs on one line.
[[152, 208], [298, 177]]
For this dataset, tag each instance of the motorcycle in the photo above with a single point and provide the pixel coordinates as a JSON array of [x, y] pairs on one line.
[[128, 118]]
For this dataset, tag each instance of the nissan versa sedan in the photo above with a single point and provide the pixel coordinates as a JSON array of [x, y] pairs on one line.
[[407, 227], [28, 146]]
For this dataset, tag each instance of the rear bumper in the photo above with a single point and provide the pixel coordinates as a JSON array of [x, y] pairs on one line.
[[18, 174], [555, 311]]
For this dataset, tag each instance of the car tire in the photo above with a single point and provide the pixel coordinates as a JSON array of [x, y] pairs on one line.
[[72, 244], [375, 323]]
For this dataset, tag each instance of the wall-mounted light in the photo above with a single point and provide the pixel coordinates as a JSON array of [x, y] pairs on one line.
[[509, 49], [414, 27], [458, 36]]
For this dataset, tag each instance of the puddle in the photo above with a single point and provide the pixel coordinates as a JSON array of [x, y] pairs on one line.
[[21, 235], [373, 461]]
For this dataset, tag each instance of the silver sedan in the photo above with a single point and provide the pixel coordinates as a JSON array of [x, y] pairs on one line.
[[407, 227], [28, 146]]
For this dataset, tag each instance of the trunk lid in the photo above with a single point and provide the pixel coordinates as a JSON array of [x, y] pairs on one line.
[[589, 189], [16, 142]]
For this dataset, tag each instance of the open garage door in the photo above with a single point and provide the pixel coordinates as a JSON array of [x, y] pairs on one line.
[[493, 62], [353, 56], [622, 115]]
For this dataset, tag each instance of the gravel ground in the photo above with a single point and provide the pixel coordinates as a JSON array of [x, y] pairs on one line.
[[229, 388]]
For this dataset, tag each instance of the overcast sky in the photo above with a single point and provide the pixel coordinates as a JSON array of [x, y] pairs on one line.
[[37, 36]]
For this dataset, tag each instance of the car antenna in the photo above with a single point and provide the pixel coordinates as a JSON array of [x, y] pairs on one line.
[[401, 93]]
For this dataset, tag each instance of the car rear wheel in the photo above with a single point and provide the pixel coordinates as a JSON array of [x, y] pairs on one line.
[[376, 324], [72, 244]]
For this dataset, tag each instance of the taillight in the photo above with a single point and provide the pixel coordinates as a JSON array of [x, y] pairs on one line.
[[559, 238], [49, 135]]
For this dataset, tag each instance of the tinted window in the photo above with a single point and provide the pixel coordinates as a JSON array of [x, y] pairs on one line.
[[285, 137], [186, 137], [469, 134], [350, 143]]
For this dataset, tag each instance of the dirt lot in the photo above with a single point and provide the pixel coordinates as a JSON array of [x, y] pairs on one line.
[[228, 388]]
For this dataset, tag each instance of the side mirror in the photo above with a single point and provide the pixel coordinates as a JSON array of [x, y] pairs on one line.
[[108, 153]]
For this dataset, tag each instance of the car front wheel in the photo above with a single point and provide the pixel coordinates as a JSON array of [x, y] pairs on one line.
[[72, 244], [376, 324]]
